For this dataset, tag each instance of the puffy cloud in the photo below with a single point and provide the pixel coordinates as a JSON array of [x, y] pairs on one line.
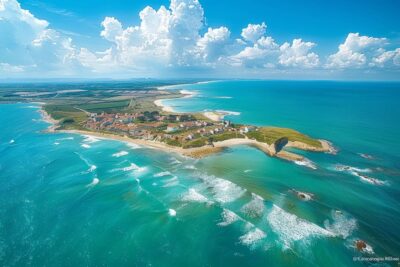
[[169, 39], [111, 29], [356, 51], [164, 38], [27, 43], [213, 44], [297, 54], [387, 59], [253, 32], [263, 54]]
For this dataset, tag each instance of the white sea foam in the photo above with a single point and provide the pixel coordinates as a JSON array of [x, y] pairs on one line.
[[343, 225], [190, 167], [12, 141], [175, 161], [223, 190], [92, 168], [94, 182], [90, 139], [228, 112], [365, 156], [132, 145], [352, 243], [371, 180], [290, 228], [350, 169], [56, 143], [172, 212], [252, 237], [307, 163], [255, 208], [188, 93], [193, 196], [171, 182], [246, 171], [133, 167], [65, 138], [162, 174], [358, 173], [85, 146], [120, 154], [228, 217]]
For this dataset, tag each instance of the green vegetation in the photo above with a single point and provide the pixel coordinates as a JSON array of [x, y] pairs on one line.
[[107, 107], [195, 143], [226, 136], [173, 142], [69, 117], [270, 135]]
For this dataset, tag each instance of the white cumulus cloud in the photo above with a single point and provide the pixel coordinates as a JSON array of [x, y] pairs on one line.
[[28, 44], [298, 54], [171, 39], [253, 32], [356, 51]]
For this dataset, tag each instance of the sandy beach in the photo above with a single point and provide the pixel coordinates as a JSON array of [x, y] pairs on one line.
[[159, 103], [47, 118], [184, 93], [197, 152]]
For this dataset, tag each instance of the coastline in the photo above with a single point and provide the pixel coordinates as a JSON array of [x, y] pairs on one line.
[[171, 87], [196, 152], [47, 118], [166, 108]]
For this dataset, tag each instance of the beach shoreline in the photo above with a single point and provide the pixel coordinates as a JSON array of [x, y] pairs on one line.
[[170, 109], [196, 152]]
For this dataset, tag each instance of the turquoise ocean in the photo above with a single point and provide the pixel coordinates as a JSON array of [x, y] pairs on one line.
[[73, 200]]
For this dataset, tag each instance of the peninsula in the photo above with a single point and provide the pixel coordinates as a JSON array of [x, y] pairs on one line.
[[138, 116]]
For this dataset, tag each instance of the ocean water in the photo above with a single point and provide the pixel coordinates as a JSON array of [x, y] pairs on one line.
[[72, 200]]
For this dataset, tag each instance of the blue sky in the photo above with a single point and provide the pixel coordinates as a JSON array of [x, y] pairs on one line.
[[283, 39]]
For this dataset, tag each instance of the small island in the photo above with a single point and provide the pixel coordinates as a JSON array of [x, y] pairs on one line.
[[137, 116]]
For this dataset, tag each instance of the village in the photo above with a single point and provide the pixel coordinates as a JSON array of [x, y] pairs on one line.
[[183, 130]]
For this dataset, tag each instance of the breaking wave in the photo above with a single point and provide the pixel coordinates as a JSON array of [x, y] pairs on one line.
[[92, 168], [343, 225], [120, 154], [162, 174], [172, 212], [223, 190], [171, 182], [255, 208], [90, 139], [360, 174], [252, 237], [94, 182], [228, 217], [65, 138], [193, 196], [228, 112], [291, 228], [307, 163], [132, 145]]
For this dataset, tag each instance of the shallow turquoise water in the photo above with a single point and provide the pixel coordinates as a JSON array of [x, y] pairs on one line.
[[232, 209]]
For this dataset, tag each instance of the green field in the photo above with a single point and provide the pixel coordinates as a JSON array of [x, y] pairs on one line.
[[270, 135]]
